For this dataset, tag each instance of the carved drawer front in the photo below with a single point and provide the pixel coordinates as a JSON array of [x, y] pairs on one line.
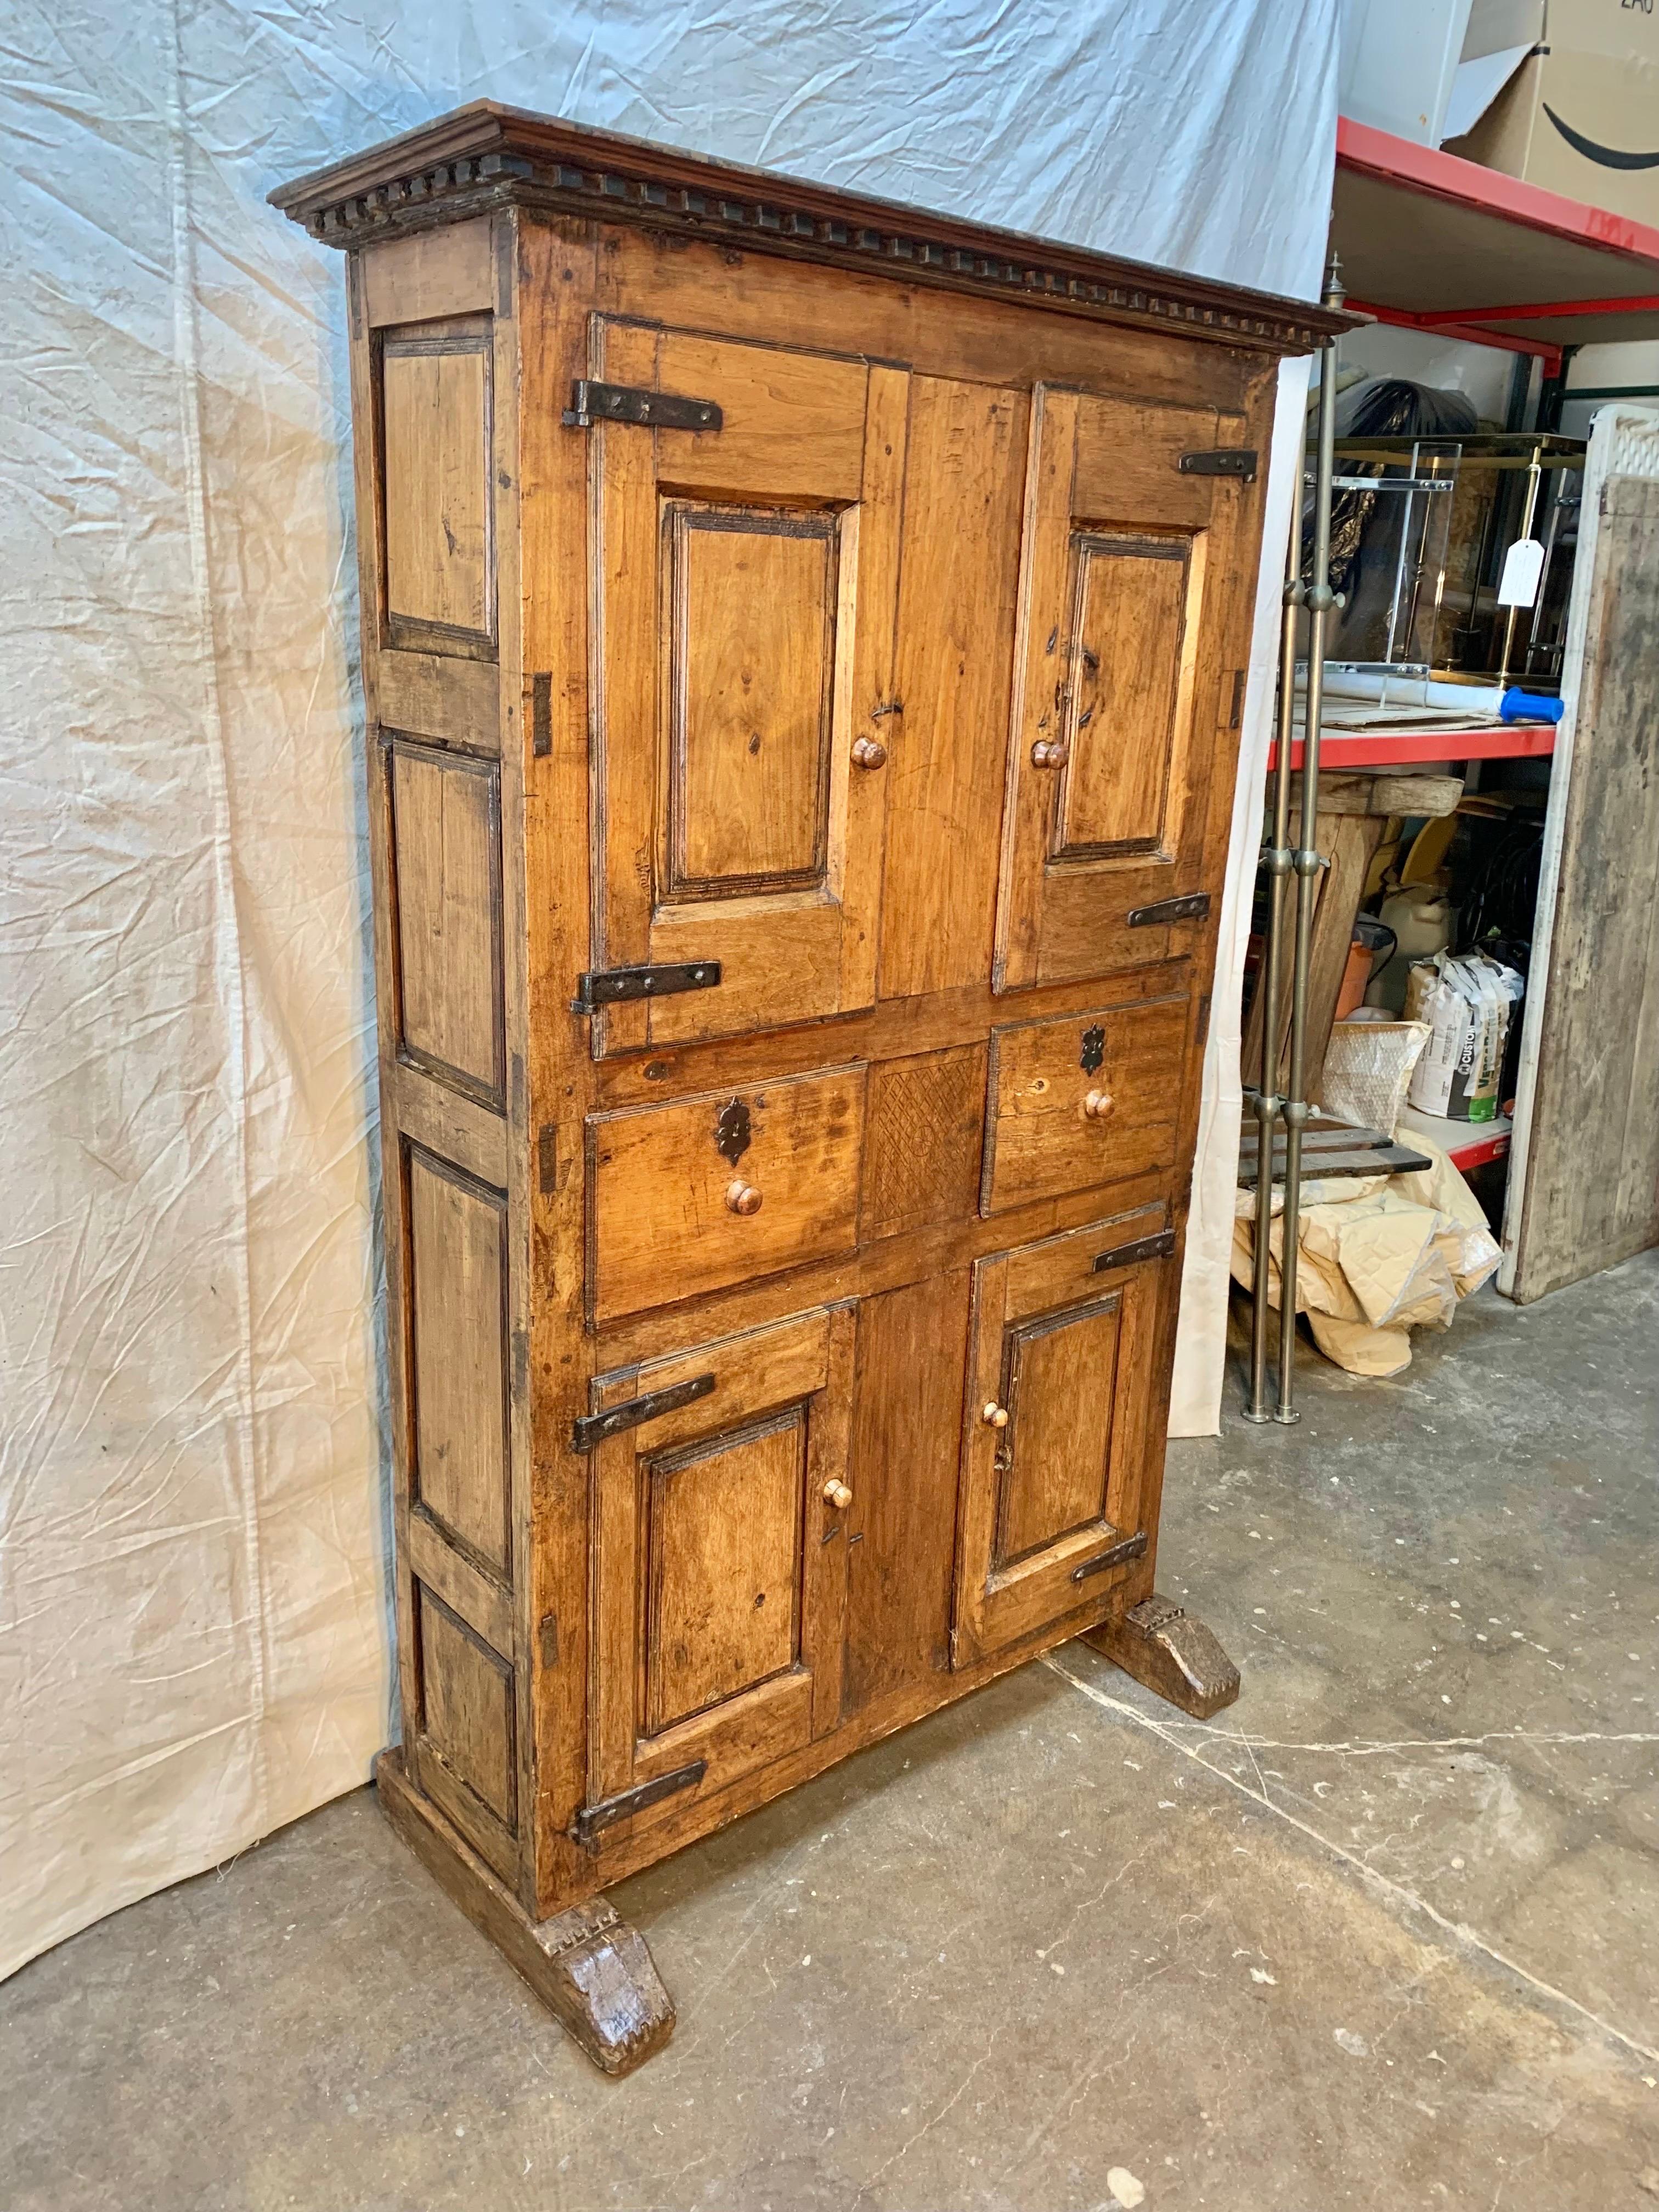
[[744, 593], [1122, 700], [1080, 1100], [721, 1554], [716, 1190], [1055, 1441]]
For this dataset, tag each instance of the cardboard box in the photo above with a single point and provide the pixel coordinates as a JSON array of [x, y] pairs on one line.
[[1580, 115]]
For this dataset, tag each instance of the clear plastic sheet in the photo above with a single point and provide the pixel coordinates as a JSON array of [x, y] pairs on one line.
[[194, 1628]]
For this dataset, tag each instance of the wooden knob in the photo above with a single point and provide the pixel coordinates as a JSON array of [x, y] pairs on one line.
[[1098, 1105], [995, 1416], [838, 1495], [742, 1197], [1048, 752], [869, 752]]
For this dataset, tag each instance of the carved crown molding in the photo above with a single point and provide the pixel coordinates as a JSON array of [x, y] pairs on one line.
[[484, 156]]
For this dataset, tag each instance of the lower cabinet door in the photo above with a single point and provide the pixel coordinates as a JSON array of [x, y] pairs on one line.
[[721, 1549], [1056, 1443]]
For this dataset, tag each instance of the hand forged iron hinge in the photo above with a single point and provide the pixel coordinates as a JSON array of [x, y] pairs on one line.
[[1143, 1248], [590, 1819], [614, 987], [593, 1428], [1237, 461], [1193, 908], [592, 403], [1131, 1547]]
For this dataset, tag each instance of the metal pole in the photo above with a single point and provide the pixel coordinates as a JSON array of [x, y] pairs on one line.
[[1306, 862], [1276, 859]]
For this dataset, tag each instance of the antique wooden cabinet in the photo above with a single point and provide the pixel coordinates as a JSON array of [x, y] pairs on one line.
[[804, 641]]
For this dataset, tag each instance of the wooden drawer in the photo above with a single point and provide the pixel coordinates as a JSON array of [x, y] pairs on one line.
[[721, 1187], [1081, 1100]]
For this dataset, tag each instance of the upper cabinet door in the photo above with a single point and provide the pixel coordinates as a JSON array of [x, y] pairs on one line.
[[745, 586], [1120, 697]]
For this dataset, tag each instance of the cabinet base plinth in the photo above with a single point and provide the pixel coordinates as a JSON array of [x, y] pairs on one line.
[[1170, 1652], [590, 1969]]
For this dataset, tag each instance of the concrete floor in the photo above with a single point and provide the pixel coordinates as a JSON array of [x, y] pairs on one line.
[[1387, 1933]]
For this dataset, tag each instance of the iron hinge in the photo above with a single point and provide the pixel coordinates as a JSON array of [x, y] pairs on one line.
[[1237, 461], [615, 986], [594, 1428], [1194, 907], [1131, 1547], [590, 1819], [1143, 1248], [592, 403]]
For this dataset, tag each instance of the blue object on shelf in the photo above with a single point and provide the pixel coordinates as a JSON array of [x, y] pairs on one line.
[[1518, 706]]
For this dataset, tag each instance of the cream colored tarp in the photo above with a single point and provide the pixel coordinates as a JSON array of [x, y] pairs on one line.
[[1376, 1257], [194, 1638]]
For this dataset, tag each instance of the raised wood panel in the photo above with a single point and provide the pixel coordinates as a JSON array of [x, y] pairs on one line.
[[456, 1287], [446, 870], [1124, 651], [924, 1121], [435, 406], [663, 1181], [1060, 1386], [1081, 1100], [467, 1699], [723, 1565], [964, 484], [751, 682]]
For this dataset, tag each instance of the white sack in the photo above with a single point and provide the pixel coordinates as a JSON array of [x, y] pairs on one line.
[[194, 1640]]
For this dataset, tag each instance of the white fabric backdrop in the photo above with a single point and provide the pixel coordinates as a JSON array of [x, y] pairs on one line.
[[194, 1632]]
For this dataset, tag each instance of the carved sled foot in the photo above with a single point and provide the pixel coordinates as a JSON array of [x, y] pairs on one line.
[[590, 1969], [1172, 1653]]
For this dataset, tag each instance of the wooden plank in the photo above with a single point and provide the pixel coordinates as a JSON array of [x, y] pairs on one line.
[[1590, 1155], [955, 630]]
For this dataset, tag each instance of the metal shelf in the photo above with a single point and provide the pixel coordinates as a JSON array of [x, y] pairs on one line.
[[1436, 243], [1397, 749], [1466, 1144]]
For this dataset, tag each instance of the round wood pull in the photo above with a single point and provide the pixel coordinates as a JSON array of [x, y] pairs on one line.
[[838, 1495], [1098, 1105], [995, 1416], [742, 1197], [1048, 752], [869, 752]]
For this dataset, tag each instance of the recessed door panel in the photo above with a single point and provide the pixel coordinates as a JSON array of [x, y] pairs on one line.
[[1060, 1386], [1124, 646], [751, 697], [745, 593], [722, 1522], [723, 1570], [1122, 699], [1057, 1449], [438, 512]]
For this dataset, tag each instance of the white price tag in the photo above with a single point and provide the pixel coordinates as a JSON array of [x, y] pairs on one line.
[[1523, 565]]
